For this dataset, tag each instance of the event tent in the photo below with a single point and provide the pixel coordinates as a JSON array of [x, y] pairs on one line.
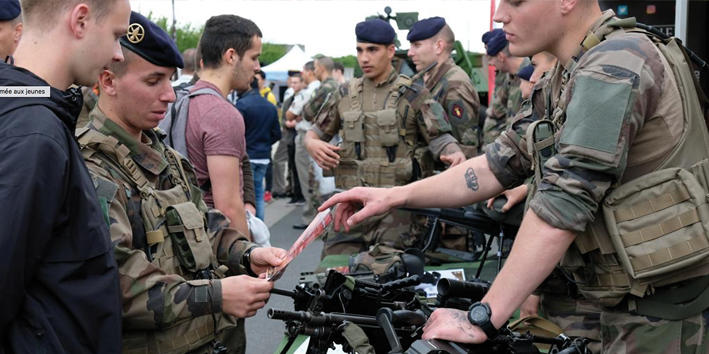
[[291, 61]]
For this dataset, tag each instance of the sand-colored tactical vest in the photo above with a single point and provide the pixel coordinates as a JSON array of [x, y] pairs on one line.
[[651, 231], [178, 241], [376, 149]]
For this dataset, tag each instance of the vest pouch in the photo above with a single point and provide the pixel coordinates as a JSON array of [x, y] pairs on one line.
[[378, 173], [658, 223], [353, 126], [190, 241], [347, 174], [388, 129]]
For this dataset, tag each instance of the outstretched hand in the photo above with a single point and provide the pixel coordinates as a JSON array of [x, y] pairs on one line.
[[358, 204]]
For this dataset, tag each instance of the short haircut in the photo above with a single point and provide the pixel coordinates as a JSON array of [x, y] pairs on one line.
[[446, 34], [297, 76], [223, 32], [119, 68], [309, 66], [190, 58], [43, 13], [339, 66], [326, 63], [262, 74]]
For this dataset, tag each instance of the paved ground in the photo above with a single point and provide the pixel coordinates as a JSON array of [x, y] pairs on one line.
[[263, 335]]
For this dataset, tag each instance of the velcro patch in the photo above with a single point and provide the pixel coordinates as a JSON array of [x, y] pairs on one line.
[[595, 114]]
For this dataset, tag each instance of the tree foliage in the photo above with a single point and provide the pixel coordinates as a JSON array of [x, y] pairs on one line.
[[188, 35]]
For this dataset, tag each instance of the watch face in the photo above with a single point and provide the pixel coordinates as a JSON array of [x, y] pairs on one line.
[[478, 314]]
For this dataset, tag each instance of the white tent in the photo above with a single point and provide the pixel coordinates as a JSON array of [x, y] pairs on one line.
[[293, 60]]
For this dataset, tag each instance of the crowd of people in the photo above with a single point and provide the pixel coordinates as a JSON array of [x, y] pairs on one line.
[[117, 235]]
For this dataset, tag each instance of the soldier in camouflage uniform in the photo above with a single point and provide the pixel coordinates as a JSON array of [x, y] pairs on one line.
[[619, 158], [391, 131], [507, 98], [432, 41], [179, 262], [325, 92]]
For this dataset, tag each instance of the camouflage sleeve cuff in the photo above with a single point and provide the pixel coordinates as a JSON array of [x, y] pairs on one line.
[[561, 210], [437, 144], [236, 256], [215, 286], [202, 297], [498, 164], [320, 133]]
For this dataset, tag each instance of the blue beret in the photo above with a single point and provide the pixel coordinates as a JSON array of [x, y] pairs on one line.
[[9, 10], [486, 37], [151, 43], [375, 31], [526, 72], [425, 28], [496, 42]]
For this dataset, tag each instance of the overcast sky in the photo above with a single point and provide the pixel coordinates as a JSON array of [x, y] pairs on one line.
[[326, 26]]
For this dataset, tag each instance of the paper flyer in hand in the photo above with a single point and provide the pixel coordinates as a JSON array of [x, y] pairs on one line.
[[316, 228]]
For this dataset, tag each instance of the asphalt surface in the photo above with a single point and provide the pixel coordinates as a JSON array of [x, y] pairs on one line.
[[264, 335]]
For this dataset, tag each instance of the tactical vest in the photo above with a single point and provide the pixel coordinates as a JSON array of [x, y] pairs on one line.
[[651, 231], [377, 149], [178, 242]]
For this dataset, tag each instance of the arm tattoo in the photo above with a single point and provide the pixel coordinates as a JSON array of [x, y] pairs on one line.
[[471, 179]]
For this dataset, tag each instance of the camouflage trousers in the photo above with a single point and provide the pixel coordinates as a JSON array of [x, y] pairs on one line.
[[393, 229], [622, 332], [576, 317]]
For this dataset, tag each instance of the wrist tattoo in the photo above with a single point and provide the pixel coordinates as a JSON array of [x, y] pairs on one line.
[[471, 179]]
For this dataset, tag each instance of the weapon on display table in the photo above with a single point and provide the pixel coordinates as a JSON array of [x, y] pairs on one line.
[[392, 315]]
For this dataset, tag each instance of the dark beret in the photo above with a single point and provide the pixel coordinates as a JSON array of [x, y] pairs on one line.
[[496, 42], [9, 10], [151, 43], [375, 31], [425, 28], [486, 37], [526, 72]]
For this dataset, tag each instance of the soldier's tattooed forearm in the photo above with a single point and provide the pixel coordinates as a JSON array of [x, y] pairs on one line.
[[471, 179]]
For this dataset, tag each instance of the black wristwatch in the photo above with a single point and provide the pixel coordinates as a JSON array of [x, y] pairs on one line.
[[479, 314], [246, 261]]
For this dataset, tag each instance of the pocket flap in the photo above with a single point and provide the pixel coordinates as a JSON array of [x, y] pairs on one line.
[[191, 216]]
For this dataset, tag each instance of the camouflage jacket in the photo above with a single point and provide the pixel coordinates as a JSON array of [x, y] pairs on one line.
[[422, 120], [506, 102], [325, 93], [157, 291], [608, 103], [454, 90]]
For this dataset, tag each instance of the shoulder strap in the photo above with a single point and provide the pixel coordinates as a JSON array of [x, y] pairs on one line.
[[175, 122], [112, 148], [356, 88]]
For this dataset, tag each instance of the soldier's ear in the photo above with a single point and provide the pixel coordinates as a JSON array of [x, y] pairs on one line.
[[391, 50], [107, 82], [566, 6]]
